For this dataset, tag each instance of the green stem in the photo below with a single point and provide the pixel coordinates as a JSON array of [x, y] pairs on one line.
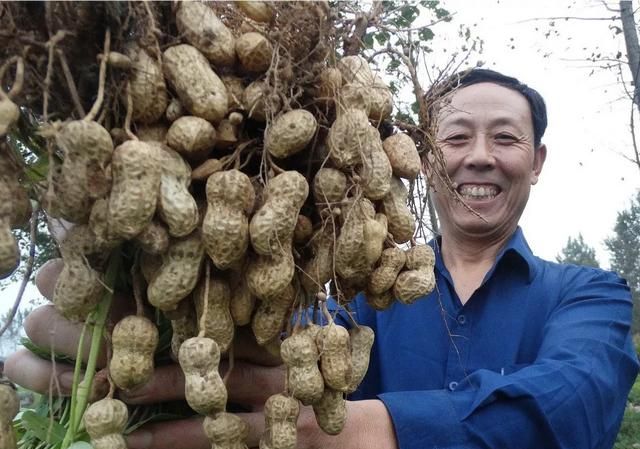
[[81, 390]]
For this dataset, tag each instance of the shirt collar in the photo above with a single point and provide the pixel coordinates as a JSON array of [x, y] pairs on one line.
[[517, 247]]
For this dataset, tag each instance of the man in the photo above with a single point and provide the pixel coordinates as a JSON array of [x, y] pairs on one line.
[[508, 352]]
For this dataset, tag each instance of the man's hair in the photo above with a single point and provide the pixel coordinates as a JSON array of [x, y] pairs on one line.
[[535, 100]]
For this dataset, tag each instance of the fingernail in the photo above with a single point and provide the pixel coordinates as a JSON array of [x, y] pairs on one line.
[[141, 439], [66, 380]]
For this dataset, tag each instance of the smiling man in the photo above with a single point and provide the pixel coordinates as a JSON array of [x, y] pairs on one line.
[[509, 351]]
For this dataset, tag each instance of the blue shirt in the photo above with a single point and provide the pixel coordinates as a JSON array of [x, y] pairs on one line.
[[539, 357]]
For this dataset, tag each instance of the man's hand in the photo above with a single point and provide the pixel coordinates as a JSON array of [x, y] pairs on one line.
[[256, 375]]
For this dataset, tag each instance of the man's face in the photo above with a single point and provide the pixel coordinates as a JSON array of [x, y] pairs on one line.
[[486, 136]]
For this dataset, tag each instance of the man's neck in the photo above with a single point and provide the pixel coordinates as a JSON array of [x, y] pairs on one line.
[[469, 260]]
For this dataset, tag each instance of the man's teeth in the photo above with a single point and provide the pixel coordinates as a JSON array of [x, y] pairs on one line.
[[478, 192]]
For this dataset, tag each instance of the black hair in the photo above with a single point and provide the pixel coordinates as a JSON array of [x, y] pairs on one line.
[[535, 100]]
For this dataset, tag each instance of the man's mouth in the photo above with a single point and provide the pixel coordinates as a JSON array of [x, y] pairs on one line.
[[478, 191]]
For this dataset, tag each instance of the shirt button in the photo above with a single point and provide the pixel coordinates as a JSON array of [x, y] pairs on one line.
[[453, 385], [462, 319]]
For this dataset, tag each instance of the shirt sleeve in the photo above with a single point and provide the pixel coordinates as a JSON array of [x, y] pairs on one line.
[[572, 396]]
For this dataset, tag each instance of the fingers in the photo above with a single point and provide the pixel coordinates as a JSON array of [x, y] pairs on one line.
[[50, 330], [166, 384], [187, 433], [36, 374], [248, 384], [43, 376], [47, 276], [245, 347], [170, 435]]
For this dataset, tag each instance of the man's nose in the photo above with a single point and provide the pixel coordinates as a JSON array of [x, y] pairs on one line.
[[480, 155]]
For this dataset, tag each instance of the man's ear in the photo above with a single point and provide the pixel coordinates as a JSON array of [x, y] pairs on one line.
[[539, 156]]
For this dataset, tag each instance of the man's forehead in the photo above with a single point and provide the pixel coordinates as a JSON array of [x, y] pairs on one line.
[[488, 100]]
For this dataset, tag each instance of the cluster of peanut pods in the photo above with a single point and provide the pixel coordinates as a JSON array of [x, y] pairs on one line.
[[220, 246]]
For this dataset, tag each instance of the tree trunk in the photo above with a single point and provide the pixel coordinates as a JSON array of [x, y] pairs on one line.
[[633, 48]]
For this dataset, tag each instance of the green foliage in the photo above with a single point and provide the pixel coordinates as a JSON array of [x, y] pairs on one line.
[[629, 435], [624, 247], [577, 252]]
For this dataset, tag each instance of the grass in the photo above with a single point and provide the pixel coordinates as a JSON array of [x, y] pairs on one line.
[[629, 435]]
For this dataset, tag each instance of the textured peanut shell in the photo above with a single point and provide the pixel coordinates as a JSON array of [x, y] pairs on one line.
[[381, 301], [226, 134], [174, 110], [269, 275], [303, 230], [380, 100], [154, 132], [331, 411], [134, 341], [420, 257], [178, 274], [226, 431], [149, 265], [376, 170], [205, 392], [384, 276], [235, 88], [193, 137], [105, 421], [176, 206], [290, 133], [375, 233], [9, 251], [328, 85], [260, 11], [201, 28], [219, 323], [184, 325], [413, 284], [304, 379], [281, 413], [253, 101], [318, 270], [348, 137], [361, 338], [154, 239], [9, 115], [403, 155], [78, 289], [136, 175], [329, 186], [254, 52], [15, 204], [271, 227], [271, 315], [394, 205], [335, 356], [242, 300], [147, 86], [200, 90], [9, 407], [225, 229], [355, 69], [104, 238], [351, 243], [87, 149]]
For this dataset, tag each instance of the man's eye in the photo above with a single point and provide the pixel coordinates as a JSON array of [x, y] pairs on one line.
[[457, 138], [505, 138]]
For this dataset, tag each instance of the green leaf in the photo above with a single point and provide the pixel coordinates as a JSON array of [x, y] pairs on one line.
[[367, 40], [425, 34], [381, 37], [44, 428]]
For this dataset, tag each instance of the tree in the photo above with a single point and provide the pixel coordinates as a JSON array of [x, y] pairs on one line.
[[577, 252], [624, 247]]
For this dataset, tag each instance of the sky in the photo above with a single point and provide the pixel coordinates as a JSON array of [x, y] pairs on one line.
[[586, 180]]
